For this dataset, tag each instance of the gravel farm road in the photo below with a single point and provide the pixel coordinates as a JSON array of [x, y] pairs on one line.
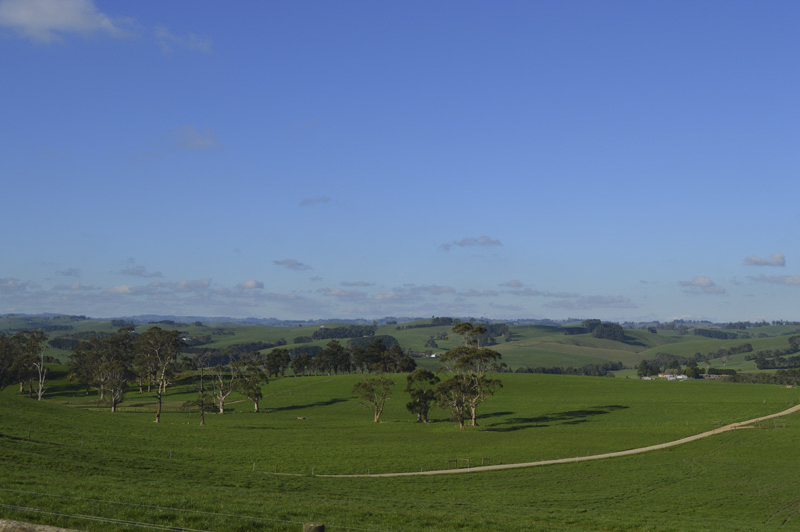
[[732, 426]]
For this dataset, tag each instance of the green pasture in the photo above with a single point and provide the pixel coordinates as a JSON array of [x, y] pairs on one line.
[[69, 456]]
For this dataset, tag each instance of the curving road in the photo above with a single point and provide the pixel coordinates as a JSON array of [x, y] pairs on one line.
[[688, 439]]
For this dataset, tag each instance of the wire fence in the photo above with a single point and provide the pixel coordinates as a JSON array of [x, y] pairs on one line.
[[151, 526]]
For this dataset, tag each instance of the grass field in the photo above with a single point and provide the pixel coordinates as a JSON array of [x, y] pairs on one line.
[[69, 457]]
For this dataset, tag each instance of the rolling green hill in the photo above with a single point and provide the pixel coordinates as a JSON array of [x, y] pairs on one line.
[[67, 458], [527, 346]]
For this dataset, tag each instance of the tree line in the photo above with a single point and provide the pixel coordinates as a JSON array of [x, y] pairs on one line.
[[589, 370], [114, 363], [774, 359], [350, 331], [669, 363]]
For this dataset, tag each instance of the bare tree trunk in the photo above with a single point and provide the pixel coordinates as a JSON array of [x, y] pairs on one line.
[[474, 414], [161, 386], [158, 409], [42, 370]]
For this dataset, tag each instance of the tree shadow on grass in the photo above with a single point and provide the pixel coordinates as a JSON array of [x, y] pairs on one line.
[[572, 417], [309, 405]]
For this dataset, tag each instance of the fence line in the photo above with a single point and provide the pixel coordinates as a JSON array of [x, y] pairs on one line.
[[152, 507]]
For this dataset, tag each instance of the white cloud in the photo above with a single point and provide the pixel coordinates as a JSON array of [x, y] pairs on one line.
[[121, 289], [45, 20], [251, 285], [292, 264], [482, 241], [776, 259], [167, 40], [702, 285], [192, 138]]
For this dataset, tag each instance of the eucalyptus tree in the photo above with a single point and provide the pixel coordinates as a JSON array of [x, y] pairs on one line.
[[452, 396], [277, 361], [470, 367], [84, 361], [161, 347], [374, 391], [472, 334], [115, 375], [9, 352], [421, 383], [224, 380], [474, 364], [251, 377], [300, 364]]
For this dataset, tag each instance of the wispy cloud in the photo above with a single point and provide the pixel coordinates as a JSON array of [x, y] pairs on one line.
[[592, 302], [512, 284], [776, 259], [75, 287], [348, 295], [69, 272], [136, 270], [481, 241], [169, 40], [192, 286], [313, 201], [530, 292], [47, 21], [702, 285], [192, 138], [478, 293], [789, 280], [292, 264], [9, 285], [356, 283]]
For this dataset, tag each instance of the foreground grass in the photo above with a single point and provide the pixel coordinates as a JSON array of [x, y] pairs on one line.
[[69, 460]]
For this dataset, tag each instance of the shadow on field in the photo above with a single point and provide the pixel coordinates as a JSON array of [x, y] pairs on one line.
[[309, 405], [572, 417], [630, 340]]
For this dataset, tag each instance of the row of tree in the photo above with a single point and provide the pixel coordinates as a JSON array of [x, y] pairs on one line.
[[590, 370], [112, 363]]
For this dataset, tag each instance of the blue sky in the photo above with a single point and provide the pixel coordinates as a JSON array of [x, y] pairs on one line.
[[300, 160]]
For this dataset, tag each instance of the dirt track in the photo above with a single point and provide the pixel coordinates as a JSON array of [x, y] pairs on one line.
[[688, 439]]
